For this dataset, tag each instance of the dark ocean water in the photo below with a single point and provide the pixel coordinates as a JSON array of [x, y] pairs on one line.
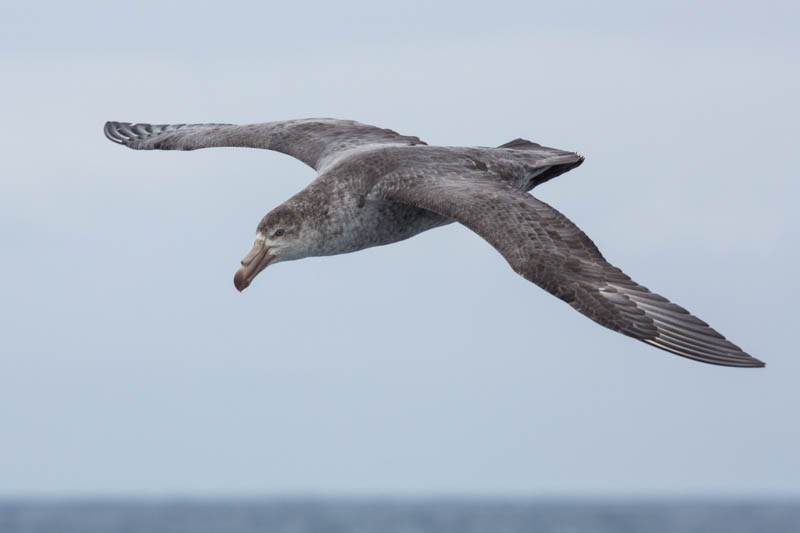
[[400, 516]]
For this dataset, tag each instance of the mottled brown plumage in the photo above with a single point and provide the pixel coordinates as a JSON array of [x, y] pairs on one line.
[[376, 187]]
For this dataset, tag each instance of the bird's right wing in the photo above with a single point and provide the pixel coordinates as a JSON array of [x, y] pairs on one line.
[[544, 247], [314, 141]]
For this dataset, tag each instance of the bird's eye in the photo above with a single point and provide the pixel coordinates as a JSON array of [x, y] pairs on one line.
[[279, 232]]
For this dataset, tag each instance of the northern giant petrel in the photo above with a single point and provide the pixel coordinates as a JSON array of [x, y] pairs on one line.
[[375, 186]]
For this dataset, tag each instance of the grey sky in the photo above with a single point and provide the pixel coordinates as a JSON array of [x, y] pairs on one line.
[[129, 364]]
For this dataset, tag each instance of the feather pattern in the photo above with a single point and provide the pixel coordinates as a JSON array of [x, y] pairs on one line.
[[376, 187], [314, 141], [546, 248]]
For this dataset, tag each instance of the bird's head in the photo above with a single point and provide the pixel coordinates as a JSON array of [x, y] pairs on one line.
[[280, 236]]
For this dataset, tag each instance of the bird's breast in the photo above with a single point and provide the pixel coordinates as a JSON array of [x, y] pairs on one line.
[[375, 223]]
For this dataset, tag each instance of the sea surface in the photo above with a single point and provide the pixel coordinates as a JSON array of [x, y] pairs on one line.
[[397, 516]]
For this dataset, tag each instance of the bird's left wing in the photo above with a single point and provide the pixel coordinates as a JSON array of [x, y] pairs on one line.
[[314, 141], [544, 247]]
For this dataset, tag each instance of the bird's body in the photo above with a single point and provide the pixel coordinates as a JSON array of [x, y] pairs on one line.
[[376, 187], [348, 216], [350, 212]]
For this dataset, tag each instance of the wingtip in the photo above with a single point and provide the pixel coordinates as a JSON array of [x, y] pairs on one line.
[[751, 362], [111, 131], [736, 359], [748, 361]]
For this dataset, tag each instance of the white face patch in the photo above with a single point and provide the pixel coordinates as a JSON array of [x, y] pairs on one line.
[[260, 236]]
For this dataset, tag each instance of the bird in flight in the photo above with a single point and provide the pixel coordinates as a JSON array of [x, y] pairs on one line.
[[375, 187]]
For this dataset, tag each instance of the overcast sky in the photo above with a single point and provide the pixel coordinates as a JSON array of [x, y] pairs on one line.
[[130, 365]]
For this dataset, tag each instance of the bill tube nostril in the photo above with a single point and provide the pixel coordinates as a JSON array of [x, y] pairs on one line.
[[253, 263]]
